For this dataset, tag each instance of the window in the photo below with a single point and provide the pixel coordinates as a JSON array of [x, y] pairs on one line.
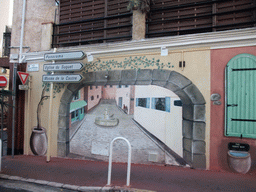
[[162, 104], [76, 96], [98, 96], [92, 98], [143, 102]]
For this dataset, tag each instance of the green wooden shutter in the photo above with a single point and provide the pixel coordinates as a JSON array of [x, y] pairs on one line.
[[241, 96]]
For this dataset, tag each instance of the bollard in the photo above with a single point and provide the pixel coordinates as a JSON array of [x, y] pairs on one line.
[[129, 161]]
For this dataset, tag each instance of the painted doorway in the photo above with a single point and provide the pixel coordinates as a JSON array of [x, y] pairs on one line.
[[193, 106]]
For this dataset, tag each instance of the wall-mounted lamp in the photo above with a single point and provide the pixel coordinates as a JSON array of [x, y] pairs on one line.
[[106, 77], [215, 97], [89, 57], [164, 51]]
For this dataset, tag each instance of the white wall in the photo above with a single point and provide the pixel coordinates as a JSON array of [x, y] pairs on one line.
[[166, 126], [125, 93]]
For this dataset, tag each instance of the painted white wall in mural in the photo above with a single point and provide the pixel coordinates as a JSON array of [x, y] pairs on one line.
[[166, 123], [124, 93]]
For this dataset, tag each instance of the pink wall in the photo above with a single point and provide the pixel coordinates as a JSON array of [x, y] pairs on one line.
[[109, 92], [218, 142], [96, 93]]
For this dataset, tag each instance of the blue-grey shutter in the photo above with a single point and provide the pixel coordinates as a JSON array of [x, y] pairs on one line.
[[148, 103], [241, 96], [153, 103], [167, 104]]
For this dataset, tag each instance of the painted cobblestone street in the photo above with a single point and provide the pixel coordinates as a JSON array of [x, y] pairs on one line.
[[92, 141]]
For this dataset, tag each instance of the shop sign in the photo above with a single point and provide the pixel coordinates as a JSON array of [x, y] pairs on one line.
[[64, 56], [63, 67], [65, 78], [33, 67]]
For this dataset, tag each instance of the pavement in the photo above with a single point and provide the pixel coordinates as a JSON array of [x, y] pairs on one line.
[[64, 174]]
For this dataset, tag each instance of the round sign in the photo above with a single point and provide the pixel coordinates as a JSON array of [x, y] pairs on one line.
[[3, 81]]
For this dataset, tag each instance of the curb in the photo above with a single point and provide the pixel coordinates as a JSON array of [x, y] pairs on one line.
[[73, 187]]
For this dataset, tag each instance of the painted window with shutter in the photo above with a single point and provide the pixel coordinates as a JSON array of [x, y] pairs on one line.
[[241, 96]]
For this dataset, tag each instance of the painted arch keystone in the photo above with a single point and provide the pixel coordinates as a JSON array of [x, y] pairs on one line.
[[193, 128]]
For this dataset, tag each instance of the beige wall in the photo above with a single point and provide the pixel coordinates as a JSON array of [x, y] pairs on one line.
[[6, 18], [37, 13]]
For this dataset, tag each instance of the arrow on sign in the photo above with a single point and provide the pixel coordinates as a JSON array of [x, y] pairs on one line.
[[63, 67], [64, 56], [23, 77], [67, 78]]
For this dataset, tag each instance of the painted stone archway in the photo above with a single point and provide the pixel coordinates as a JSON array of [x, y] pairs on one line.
[[193, 125]]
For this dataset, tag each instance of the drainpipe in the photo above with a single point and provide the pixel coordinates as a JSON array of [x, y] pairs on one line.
[[22, 30], [15, 65]]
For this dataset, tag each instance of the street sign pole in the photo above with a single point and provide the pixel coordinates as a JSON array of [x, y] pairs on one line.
[[50, 124], [14, 104]]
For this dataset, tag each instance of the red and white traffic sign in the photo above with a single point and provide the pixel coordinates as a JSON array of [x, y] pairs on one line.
[[3, 81], [23, 77]]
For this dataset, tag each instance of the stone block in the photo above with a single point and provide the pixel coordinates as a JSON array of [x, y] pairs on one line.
[[199, 161], [101, 77], [182, 95], [187, 156], [187, 130], [193, 112], [74, 87], [193, 130], [160, 77], [64, 107], [89, 78], [54, 184], [194, 94], [199, 113], [172, 87], [144, 77], [128, 77], [62, 149], [199, 131], [114, 77], [187, 144], [67, 96], [63, 134], [41, 182], [179, 80], [188, 111], [63, 122], [71, 187], [198, 147], [16, 178]]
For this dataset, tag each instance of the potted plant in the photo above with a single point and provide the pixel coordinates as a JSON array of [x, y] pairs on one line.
[[142, 5]]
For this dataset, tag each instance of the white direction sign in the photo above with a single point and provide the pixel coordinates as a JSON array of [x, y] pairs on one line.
[[64, 56], [63, 67], [67, 78]]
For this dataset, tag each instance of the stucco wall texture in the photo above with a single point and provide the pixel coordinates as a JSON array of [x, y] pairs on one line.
[[219, 142]]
